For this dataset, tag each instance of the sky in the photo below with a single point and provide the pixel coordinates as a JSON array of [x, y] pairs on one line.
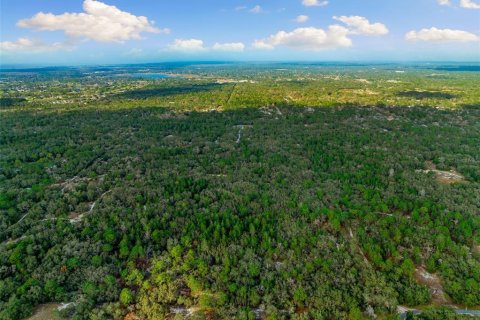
[[75, 32]]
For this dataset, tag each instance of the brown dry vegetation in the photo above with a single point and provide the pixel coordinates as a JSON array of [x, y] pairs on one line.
[[444, 177], [434, 283], [47, 311]]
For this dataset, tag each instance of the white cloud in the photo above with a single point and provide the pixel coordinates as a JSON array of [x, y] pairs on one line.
[[360, 25], [314, 3], [469, 4], [444, 2], [240, 8], [318, 39], [187, 45], [26, 45], [257, 9], [307, 39], [99, 22], [198, 46], [262, 45], [441, 35], [134, 52], [301, 18], [233, 46]]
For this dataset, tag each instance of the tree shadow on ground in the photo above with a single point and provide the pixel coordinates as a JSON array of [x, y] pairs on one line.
[[10, 102], [168, 91], [425, 95]]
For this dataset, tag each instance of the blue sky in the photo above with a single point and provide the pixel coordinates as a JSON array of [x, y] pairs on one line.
[[121, 31]]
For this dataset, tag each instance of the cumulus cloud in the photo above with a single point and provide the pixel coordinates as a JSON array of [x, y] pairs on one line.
[[467, 4], [314, 3], [361, 25], [26, 45], [318, 39], [444, 2], [262, 45], [198, 46], [307, 39], [187, 45], [441, 35], [233, 46], [301, 18], [99, 22], [257, 9]]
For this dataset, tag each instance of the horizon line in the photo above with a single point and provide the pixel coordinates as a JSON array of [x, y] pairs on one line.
[[265, 62]]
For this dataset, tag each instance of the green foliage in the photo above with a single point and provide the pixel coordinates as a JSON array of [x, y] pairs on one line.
[[299, 296], [121, 193], [126, 296]]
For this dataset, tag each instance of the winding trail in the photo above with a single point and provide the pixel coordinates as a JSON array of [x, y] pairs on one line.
[[240, 133], [230, 95], [90, 210], [20, 220]]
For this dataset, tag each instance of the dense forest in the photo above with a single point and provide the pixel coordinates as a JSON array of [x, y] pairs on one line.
[[230, 192]]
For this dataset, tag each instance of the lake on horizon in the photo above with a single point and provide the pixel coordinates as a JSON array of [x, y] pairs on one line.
[[152, 75]]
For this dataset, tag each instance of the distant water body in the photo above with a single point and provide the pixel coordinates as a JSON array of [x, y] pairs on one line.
[[152, 75]]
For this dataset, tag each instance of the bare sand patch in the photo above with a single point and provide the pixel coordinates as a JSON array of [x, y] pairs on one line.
[[72, 183], [443, 177], [476, 248], [367, 92], [47, 311], [363, 80], [434, 283]]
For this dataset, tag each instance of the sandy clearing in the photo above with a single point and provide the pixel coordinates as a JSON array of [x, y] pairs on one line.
[[443, 177], [433, 282]]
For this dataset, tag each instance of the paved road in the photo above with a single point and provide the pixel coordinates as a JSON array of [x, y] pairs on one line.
[[472, 313]]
